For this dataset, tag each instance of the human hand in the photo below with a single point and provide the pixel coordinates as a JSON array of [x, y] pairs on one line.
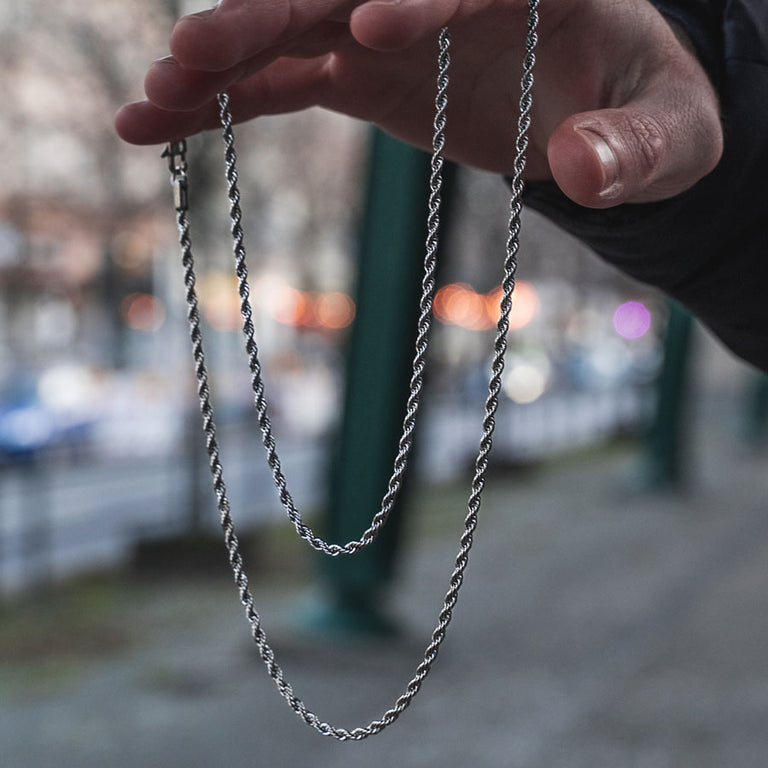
[[623, 112]]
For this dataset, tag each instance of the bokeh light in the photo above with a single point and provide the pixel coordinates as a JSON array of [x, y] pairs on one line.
[[632, 320], [143, 312], [335, 310], [525, 305], [332, 310], [459, 304], [526, 378]]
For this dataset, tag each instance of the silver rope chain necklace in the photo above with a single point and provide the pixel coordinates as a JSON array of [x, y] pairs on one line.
[[176, 154]]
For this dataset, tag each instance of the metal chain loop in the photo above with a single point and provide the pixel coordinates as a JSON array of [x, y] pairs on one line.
[[179, 178], [424, 324]]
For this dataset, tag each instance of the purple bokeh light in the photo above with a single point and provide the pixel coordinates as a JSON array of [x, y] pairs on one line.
[[632, 320]]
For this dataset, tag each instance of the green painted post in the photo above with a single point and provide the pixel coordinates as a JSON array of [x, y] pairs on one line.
[[665, 439], [755, 428], [380, 356]]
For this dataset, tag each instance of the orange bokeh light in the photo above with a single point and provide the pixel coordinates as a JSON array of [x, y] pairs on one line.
[[525, 305], [459, 304], [142, 312], [288, 306], [335, 310]]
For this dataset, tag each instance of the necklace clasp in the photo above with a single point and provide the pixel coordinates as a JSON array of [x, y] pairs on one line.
[[176, 152]]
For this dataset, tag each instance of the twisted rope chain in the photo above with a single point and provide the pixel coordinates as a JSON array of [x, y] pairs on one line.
[[424, 324], [178, 167]]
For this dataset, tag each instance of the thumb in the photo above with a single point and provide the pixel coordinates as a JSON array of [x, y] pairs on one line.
[[647, 150]]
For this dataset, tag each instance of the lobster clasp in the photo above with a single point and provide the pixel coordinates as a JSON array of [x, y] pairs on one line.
[[176, 152]]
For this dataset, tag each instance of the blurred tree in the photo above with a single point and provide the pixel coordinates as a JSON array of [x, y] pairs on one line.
[[66, 69]]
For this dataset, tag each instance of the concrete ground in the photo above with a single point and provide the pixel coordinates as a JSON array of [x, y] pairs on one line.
[[599, 626]]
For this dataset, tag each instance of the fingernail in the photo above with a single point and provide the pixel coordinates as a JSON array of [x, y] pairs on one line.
[[201, 15], [381, 3], [611, 186]]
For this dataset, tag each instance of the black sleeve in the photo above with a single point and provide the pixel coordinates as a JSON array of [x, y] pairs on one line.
[[708, 247], [702, 21]]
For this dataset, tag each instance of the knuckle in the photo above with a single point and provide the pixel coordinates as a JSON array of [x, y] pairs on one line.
[[648, 139]]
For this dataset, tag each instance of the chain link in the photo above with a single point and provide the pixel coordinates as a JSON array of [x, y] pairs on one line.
[[428, 284], [424, 324]]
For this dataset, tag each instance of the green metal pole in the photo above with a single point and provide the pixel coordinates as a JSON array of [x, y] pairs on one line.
[[380, 355], [755, 428], [665, 440]]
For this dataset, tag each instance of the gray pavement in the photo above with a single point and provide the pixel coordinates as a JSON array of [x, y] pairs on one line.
[[599, 626]]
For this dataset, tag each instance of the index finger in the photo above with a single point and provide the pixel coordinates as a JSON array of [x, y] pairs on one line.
[[235, 30]]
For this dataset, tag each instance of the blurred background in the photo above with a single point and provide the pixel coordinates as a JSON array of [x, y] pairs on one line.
[[612, 397]]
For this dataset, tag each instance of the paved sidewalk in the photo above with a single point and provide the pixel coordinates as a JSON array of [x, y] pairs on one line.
[[598, 627]]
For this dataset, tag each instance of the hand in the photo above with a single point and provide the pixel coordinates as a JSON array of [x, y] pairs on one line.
[[623, 111]]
